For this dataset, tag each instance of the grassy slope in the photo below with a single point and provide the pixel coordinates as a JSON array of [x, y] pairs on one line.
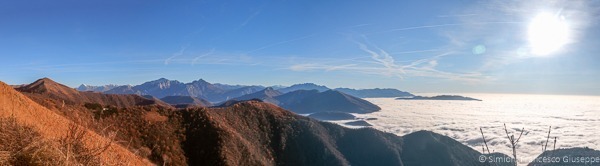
[[54, 126]]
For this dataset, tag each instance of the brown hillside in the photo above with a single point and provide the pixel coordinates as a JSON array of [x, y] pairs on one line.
[[52, 94], [144, 129], [53, 126], [235, 133], [186, 101], [257, 133]]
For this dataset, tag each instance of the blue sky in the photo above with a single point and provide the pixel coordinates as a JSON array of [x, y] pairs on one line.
[[422, 46]]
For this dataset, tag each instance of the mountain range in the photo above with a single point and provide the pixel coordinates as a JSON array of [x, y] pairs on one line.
[[103, 88], [304, 86], [44, 90], [249, 132], [243, 133], [312, 101], [217, 92]]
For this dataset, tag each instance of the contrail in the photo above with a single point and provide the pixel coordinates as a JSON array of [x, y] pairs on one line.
[[415, 51], [179, 53], [447, 25], [279, 43], [457, 15], [203, 55]]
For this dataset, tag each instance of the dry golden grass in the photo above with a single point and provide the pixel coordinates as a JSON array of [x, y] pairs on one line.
[[22, 145], [52, 126], [155, 117]]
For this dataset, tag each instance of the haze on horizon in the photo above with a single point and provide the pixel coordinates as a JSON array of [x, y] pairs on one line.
[[427, 46]]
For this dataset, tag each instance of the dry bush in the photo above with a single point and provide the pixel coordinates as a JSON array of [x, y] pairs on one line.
[[74, 150], [14, 137], [25, 146], [514, 140]]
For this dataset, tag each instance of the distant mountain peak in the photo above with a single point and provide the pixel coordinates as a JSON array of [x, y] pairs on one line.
[[304, 86], [82, 87], [266, 95], [201, 81], [101, 88], [161, 83], [161, 80], [46, 79], [44, 85], [308, 84], [270, 92]]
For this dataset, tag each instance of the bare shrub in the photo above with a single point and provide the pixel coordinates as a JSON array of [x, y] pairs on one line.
[[25, 146], [72, 144], [14, 137], [515, 140]]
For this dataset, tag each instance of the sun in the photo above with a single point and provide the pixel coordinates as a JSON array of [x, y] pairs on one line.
[[547, 34]]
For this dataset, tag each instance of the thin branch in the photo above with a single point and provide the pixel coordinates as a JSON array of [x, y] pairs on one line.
[[522, 130], [505, 130], [547, 138], [554, 148], [484, 141], [513, 142]]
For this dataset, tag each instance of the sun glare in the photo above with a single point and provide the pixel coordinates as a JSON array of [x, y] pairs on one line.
[[547, 33]]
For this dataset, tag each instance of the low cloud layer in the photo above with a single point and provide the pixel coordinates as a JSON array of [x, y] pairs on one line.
[[574, 120]]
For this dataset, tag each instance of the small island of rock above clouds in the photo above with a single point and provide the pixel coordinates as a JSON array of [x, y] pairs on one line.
[[440, 97]]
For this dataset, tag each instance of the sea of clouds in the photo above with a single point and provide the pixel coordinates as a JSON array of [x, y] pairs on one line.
[[575, 120]]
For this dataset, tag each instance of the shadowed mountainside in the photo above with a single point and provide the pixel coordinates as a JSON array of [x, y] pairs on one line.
[[328, 101], [304, 86], [241, 91], [186, 101], [267, 95], [311, 101], [572, 156], [429, 148], [269, 135]]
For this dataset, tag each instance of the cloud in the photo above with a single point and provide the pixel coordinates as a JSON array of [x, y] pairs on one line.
[[357, 25], [415, 51], [311, 67], [452, 24], [458, 120], [382, 57], [195, 60], [457, 15], [178, 53], [382, 63], [253, 15], [279, 43]]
